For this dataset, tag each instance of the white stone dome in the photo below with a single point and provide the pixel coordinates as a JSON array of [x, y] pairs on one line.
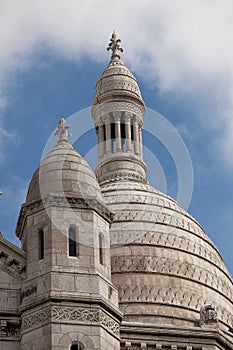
[[163, 263], [65, 173], [117, 83]]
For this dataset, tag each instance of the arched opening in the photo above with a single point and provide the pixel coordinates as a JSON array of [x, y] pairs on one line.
[[123, 137], [101, 249], [41, 244], [77, 346], [73, 242]]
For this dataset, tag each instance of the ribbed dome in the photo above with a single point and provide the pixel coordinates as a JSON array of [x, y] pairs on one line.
[[64, 172], [117, 83], [164, 265]]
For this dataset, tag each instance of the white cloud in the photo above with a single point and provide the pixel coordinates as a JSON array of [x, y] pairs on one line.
[[180, 46], [5, 136]]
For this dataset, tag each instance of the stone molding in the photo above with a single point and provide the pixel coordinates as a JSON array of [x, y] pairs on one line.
[[70, 314], [119, 176], [161, 265], [169, 296], [100, 110], [12, 266], [157, 346], [28, 291], [9, 329], [169, 240], [60, 201], [160, 218]]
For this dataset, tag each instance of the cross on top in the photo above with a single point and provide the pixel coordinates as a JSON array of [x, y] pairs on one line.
[[62, 131], [114, 45]]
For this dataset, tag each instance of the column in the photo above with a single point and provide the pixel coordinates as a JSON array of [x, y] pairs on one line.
[[140, 140], [118, 133], [136, 137], [98, 137], [128, 134], [108, 138], [101, 141]]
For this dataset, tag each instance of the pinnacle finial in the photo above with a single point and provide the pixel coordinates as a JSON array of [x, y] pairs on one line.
[[114, 46], [62, 131]]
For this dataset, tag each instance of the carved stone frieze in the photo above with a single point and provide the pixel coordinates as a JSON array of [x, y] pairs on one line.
[[156, 216], [118, 176], [63, 201], [57, 313], [168, 240], [162, 265], [101, 110], [172, 296], [36, 319]]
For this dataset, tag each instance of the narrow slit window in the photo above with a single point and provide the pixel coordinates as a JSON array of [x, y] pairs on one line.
[[101, 249], [41, 245], [132, 138], [123, 136], [73, 248]]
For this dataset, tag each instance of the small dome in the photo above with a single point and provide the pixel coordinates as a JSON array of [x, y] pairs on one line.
[[64, 172], [117, 82]]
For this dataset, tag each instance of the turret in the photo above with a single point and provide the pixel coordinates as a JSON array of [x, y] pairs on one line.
[[118, 111]]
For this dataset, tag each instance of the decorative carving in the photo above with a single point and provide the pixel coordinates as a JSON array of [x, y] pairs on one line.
[[170, 240], [114, 46], [122, 176], [12, 266], [10, 328], [36, 319], [122, 264], [208, 316], [178, 297], [123, 85], [100, 110], [55, 313], [62, 131], [28, 292], [63, 201]]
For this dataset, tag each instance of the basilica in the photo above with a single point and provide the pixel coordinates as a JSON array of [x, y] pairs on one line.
[[107, 261]]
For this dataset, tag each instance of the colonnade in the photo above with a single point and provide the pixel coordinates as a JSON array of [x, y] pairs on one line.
[[119, 134]]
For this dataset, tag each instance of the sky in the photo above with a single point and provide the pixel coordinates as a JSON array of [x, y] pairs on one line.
[[51, 56]]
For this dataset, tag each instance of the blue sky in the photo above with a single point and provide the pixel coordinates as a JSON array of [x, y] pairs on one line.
[[51, 55]]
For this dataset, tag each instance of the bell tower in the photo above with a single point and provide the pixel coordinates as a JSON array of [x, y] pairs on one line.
[[118, 111]]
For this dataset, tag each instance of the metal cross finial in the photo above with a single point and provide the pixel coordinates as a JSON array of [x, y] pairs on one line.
[[62, 131], [114, 45]]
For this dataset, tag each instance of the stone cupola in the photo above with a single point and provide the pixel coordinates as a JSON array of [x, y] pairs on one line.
[[118, 111]]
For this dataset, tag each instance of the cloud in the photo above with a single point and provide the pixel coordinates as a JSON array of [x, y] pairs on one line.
[[5, 136], [180, 47]]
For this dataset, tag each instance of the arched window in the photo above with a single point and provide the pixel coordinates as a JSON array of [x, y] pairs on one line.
[[77, 346], [101, 249], [73, 242], [41, 245]]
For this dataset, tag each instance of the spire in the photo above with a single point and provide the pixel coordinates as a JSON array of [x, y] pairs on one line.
[[62, 131], [114, 46]]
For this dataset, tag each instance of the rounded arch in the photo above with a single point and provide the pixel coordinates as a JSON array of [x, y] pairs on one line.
[[73, 241], [101, 248], [77, 346], [69, 339]]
